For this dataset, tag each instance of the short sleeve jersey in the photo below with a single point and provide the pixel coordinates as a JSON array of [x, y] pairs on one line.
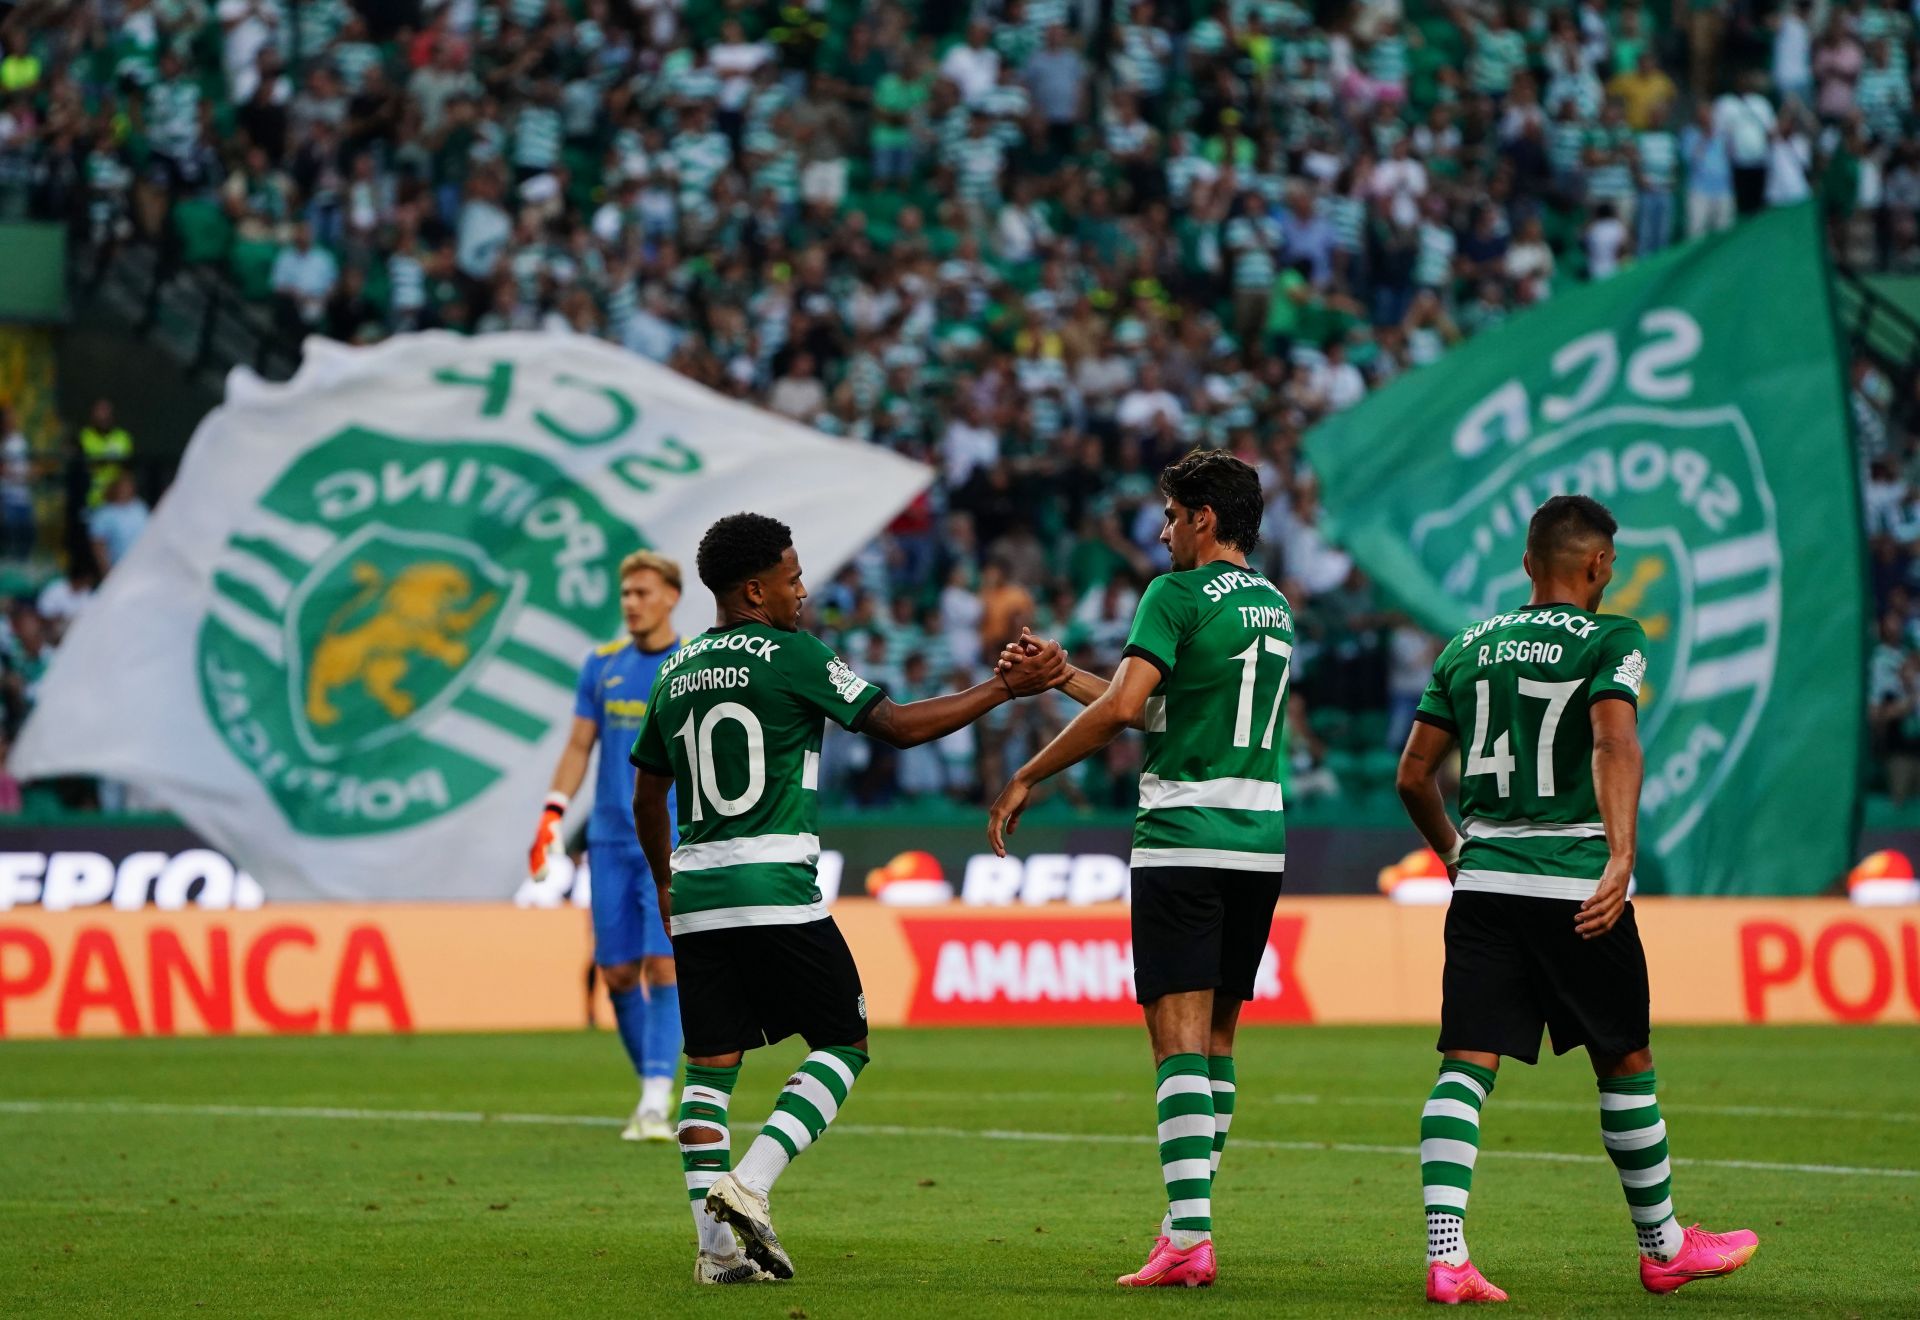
[[614, 683], [1517, 691], [1210, 788], [736, 717]]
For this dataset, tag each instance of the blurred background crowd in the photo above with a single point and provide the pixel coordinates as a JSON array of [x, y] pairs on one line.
[[1042, 245]]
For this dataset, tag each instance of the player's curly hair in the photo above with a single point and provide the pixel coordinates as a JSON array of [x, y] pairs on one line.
[[740, 546], [1214, 479]]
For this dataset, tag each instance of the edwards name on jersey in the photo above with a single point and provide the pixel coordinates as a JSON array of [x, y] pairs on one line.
[[1516, 690], [736, 718]]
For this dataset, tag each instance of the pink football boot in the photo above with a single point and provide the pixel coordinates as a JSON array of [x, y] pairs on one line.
[[1702, 1255], [1169, 1267], [1451, 1285]]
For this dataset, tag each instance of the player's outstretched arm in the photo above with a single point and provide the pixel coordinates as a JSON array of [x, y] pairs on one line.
[[1428, 748], [936, 717], [1120, 706], [654, 827], [1617, 768], [1083, 687]]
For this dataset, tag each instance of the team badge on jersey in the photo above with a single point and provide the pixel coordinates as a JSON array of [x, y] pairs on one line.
[[396, 623], [1632, 671], [847, 683]]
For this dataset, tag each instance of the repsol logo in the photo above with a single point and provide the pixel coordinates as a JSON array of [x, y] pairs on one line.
[[1044, 878], [59, 881]]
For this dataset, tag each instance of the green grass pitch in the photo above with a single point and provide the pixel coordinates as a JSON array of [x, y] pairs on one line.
[[973, 1173]]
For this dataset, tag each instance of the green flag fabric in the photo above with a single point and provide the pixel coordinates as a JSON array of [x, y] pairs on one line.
[[1701, 396]]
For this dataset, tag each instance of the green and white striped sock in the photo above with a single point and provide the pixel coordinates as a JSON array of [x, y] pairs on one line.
[[1636, 1141], [1220, 1072], [1449, 1145], [1183, 1095], [807, 1104], [703, 1104]]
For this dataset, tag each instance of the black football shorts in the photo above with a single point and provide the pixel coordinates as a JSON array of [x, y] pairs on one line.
[[749, 986], [1516, 964], [1200, 928]]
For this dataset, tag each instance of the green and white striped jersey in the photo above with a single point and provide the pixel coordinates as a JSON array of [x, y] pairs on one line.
[[1433, 266], [1222, 638], [1659, 152], [735, 718], [1516, 690], [537, 135]]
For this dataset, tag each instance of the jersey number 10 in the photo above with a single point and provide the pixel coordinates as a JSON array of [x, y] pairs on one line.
[[1500, 762], [699, 745]]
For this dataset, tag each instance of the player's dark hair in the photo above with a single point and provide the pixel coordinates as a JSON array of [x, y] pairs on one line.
[[1563, 522], [740, 546], [1214, 479]]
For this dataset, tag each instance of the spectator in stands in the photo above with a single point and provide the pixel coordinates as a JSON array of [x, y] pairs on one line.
[[973, 67], [1838, 58], [65, 596], [1656, 161], [1608, 242], [1898, 714], [1057, 77], [1706, 26], [304, 276], [25, 653], [1789, 160], [352, 316], [17, 474], [1792, 62], [798, 392], [1710, 201], [1645, 91], [1744, 120], [106, 450], [117, 523], [20, 70]]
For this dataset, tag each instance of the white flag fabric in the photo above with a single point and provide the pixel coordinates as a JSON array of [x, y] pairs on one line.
[[345, 648]]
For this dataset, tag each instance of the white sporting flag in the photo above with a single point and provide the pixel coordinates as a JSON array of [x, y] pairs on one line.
[[345, 648]]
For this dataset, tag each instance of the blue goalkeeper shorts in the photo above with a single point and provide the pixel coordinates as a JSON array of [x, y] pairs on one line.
[[626, 908]]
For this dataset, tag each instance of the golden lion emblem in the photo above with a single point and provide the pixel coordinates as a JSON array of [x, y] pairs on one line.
[[419, 614]]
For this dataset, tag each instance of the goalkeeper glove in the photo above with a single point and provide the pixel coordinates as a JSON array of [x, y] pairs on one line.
[[550, 842]]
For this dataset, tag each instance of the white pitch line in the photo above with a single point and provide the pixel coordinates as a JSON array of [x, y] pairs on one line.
[[1351, 1148], [163, 1109], [1402, 1101]]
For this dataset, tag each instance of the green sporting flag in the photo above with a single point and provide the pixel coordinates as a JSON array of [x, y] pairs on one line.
[[1701, 396]]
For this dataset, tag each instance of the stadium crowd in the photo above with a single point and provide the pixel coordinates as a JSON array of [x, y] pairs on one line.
[[1045, 245]]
